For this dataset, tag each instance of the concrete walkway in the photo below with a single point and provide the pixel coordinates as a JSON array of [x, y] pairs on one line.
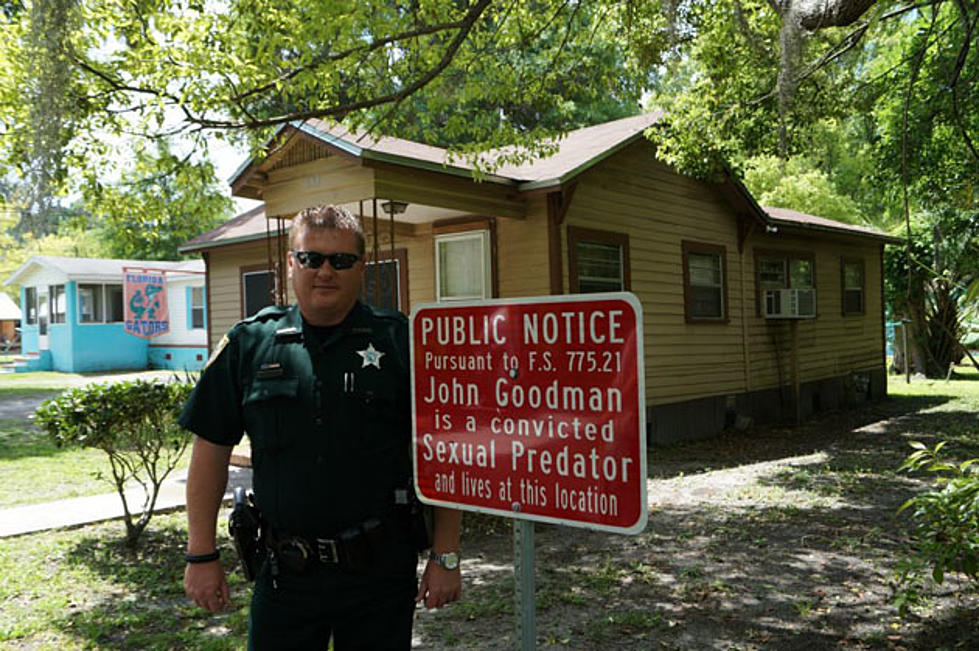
[[74, 512]]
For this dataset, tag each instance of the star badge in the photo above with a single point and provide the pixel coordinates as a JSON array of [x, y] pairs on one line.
[[372, 356]]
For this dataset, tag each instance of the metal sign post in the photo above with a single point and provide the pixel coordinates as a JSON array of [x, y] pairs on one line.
[[523, 575]]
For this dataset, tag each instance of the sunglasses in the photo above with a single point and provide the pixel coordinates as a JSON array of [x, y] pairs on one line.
[[315, 260]]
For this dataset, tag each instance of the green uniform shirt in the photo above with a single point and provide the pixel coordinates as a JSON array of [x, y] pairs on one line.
[[328, 421]]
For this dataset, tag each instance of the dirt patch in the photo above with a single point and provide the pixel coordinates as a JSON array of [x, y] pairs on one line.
[[769, 539]]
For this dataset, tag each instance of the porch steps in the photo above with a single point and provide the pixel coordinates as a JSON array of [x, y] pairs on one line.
[[30, 361]]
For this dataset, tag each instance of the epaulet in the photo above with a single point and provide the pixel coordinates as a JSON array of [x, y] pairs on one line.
[[267, 313], [386, 313]]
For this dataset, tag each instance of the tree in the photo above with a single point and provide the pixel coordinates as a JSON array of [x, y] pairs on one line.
[[161, 201], [135, 424], [797, 184]]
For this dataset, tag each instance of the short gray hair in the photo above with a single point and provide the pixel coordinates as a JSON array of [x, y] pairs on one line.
[[328, 217]]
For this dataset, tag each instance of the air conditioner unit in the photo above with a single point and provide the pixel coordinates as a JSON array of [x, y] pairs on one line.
[[790, 303]]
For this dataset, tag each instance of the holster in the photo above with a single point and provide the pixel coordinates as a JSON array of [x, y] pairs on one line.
[[245, 527], [417, 518]]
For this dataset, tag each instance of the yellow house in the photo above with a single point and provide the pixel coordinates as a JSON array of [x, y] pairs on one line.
[[750, 314]]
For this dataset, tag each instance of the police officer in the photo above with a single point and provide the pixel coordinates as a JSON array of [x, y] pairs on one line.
[[322, 388]]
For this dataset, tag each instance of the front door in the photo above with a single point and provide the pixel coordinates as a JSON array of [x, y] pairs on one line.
[[42, 318]]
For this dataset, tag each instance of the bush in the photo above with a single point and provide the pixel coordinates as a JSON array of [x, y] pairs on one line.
[[135, 424], [945, 520]]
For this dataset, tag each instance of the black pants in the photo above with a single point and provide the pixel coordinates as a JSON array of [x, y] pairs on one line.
[[368, 610]]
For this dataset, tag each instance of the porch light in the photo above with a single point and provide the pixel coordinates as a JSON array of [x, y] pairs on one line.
[[394, 207]]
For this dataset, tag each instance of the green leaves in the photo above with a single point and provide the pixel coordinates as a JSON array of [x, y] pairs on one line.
[[945, 519], [135, 424], [109, 416]]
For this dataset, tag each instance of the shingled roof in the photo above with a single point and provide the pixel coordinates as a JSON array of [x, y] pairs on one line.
[[576, 151], [794, 218], [98, 269], [249, 225]]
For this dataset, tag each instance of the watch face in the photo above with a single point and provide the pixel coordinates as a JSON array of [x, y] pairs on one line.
[[449, 560]]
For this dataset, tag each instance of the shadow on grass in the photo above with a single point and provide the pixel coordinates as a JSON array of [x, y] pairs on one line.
[[717, 577], [19, 440], [893, 416], [148, 609], [809, 561]]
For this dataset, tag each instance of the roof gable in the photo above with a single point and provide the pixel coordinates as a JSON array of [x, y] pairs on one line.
[[576, 152], [9, 311], [94, 269]]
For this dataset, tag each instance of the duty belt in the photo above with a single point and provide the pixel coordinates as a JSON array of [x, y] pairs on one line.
[[352, 549], [305, 550]]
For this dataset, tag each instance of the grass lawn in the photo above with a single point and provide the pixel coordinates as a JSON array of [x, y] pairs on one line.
[[32, 468], [81, 589]]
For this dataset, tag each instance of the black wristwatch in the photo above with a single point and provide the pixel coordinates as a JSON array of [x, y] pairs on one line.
[[448, 560]]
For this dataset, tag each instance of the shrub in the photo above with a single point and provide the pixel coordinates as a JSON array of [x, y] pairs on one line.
[[135, 424], [945, 520]]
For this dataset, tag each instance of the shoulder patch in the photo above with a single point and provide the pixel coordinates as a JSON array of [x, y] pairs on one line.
[[217, 351]]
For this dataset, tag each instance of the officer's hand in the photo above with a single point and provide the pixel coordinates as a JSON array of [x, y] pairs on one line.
[[206, 586], [439, 586]]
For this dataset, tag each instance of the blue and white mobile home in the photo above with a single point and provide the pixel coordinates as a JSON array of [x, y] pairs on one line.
[[73, 316]]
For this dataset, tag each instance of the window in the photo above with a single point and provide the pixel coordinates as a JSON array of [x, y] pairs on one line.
[[385, 284], [463, 266], [113, 304], [90, 302], [853, 282], [256, 290], [30, 300], [704, 282], [598, 261], [196, 307], [57, 304], [784, 270], [99, 303]]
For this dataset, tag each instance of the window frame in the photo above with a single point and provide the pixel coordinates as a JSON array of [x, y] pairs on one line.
[[400, 259], [30, 303], [105, 291], [577, 234], [453, 230], [704, 248], [100, 303], [249, 270], [55, 317], [192, 308], [787, 255], [861, 264]]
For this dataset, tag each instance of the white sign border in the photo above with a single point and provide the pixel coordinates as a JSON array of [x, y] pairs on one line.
[[636, 305]]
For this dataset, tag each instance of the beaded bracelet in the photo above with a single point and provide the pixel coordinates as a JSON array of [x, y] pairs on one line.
[[203, 558]]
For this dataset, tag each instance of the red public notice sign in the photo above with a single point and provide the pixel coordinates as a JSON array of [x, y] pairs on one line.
[[532, 408]]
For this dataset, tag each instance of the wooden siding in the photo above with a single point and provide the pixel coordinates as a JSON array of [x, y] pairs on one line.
[[522, 259], [629, 193], [831, 344], [224, 291], [634, 194], [336, 179]]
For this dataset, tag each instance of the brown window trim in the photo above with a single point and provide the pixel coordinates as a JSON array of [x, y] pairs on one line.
[[242, 270], [577, 233], [401, 255], [689, 246], [474, 223], [787, 254], [863, 276]]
